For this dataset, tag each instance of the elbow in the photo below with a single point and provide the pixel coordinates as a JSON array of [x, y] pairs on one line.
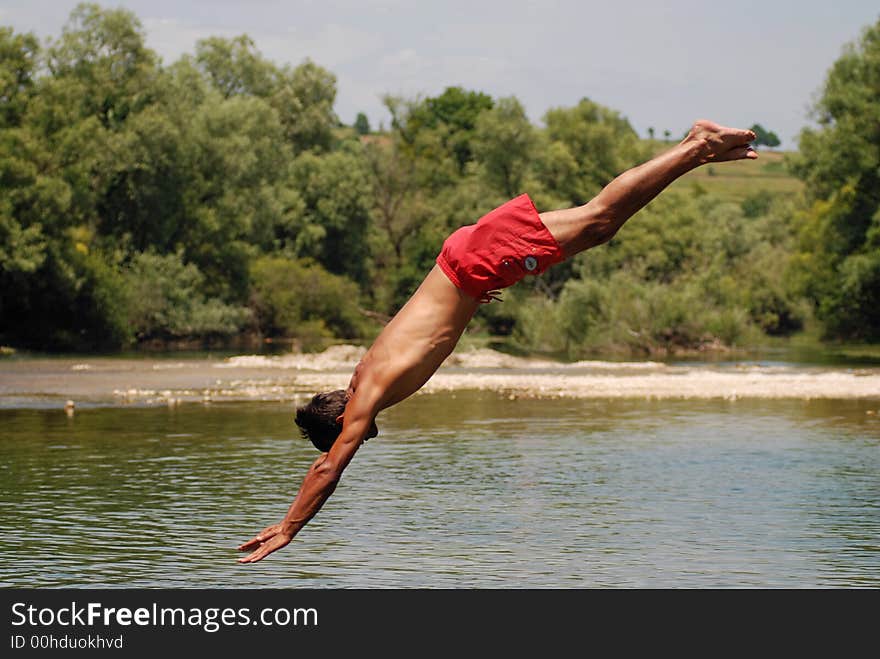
[[327, 471]]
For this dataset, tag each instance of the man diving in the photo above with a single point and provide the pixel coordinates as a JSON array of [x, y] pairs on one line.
[[476, 261]]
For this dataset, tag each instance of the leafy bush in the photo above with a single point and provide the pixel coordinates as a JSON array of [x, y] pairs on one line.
[[302, 299], [74, 300], [853, 310], [166, 301]]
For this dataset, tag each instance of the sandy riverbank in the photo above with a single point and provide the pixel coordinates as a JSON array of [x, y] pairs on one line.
[[38, 382]]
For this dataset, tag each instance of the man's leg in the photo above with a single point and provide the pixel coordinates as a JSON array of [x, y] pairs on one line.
[[596, 222]]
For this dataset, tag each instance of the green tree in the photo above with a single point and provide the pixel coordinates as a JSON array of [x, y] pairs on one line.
[[102, 65], [302, 96], [337, 196], [840, 163], [235, 67], [18, 63], [304, 101], [362, 124], [589, 145], [400, 206], [764, 137], [62, 289], [451, 117], [241, 192], [22, 247], [503, 143]]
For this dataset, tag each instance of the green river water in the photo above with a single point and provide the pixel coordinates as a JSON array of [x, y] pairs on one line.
[[461, 489]]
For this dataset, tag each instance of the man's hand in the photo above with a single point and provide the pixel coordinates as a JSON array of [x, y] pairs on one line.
[[266, 541], [319, 483], [719, 143]]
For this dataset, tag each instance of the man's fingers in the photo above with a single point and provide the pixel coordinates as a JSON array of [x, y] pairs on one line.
[[277, 542], [256, 555], [259, 554], [252, 558], [250, 544], [261, 537]]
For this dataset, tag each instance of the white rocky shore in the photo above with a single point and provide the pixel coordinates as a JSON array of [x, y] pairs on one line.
[[290, 376], [295, 377]]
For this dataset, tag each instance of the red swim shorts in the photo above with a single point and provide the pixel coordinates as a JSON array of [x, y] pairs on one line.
[[500, 249]]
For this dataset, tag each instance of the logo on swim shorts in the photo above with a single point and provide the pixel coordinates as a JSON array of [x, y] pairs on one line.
[[530, 263]]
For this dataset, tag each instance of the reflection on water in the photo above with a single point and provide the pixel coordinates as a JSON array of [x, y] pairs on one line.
[[460, 490]]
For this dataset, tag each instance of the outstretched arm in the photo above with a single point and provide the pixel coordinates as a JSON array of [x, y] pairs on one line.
[[319, 483], [596, 222]]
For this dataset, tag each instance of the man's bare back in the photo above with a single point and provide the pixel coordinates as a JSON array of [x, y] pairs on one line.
[[424, 332]]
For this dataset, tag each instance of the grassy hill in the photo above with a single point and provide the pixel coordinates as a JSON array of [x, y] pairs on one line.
[[735, 180]]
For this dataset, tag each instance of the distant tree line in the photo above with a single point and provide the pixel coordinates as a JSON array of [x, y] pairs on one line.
[[220, 196]]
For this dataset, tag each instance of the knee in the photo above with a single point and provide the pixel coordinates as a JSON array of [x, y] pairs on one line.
[[599, 228]]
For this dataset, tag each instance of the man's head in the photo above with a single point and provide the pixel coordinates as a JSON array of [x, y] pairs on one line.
[[320, 420]]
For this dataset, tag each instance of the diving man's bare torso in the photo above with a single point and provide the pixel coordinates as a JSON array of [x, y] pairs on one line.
[[414, 344]]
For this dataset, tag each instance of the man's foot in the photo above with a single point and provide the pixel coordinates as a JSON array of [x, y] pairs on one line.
[[719, 143]]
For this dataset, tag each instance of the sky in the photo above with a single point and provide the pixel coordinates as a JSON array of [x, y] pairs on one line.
[[660, 64]]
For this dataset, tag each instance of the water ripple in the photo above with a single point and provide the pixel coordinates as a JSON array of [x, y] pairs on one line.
[[510, 494]]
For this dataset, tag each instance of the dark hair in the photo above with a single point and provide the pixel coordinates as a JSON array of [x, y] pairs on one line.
[[317, 419]]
